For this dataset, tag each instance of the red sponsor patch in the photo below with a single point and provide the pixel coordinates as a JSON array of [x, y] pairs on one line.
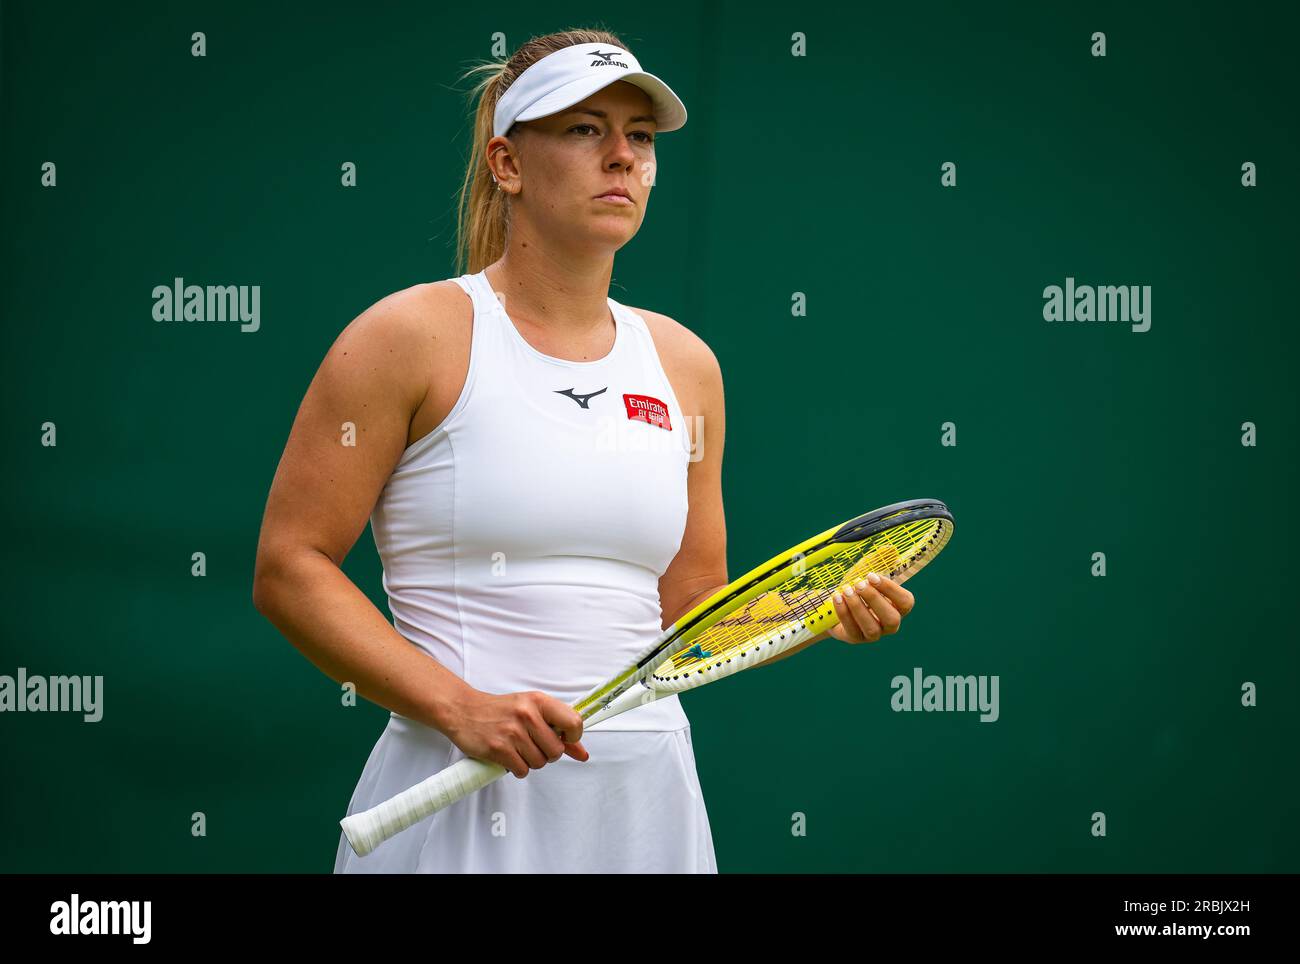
[[644, 408]]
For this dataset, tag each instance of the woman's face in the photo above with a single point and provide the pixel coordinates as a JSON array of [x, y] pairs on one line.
[[563, 164]]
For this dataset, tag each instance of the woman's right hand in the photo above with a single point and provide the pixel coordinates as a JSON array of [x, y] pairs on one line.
[[519, 731]]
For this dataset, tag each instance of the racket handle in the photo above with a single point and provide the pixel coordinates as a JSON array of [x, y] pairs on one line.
[[367, 830]]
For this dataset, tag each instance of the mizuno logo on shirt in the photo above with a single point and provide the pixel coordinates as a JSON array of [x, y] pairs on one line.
[[580, 399]]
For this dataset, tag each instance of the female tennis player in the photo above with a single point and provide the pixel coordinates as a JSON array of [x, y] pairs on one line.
[[541, 504]]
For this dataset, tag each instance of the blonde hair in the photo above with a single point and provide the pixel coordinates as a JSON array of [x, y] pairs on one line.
[[483, 215]]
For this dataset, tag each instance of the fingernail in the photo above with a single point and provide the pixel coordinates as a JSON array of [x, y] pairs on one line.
[[839, 599], [873, 577], [848, 591]]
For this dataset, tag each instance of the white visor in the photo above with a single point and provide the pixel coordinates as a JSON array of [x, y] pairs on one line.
[[573, 74]]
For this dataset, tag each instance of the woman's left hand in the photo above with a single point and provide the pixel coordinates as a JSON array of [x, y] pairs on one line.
[[870, 609]]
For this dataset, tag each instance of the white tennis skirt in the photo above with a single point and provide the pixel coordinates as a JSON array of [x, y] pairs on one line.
[[634, 807]]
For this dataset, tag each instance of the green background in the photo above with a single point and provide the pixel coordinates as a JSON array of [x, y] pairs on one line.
[[816, 174]]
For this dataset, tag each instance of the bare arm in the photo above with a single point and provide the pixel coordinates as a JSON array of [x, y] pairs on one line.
[[371, 383], [700, 567]]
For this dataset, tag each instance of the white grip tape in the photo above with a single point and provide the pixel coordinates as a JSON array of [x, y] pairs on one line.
[[366, 831]]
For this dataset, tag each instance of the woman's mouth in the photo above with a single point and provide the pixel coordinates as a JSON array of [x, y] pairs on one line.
[[615, 198]]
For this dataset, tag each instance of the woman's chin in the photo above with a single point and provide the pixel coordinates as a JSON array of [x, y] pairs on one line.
[[613, 235]]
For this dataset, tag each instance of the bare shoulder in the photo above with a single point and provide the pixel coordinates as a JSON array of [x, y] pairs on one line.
[[411, 317], [689, 362], [414, 342], [672, 337]]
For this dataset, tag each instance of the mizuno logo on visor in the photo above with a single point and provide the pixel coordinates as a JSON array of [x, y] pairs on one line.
[[606, 62]]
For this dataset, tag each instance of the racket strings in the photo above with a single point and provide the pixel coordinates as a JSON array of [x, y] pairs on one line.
[[805, 597]]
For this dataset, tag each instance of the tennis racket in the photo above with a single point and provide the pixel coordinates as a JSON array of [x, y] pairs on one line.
[[781, 604]]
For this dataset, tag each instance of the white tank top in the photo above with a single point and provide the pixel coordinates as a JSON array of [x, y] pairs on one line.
[[523, 539]]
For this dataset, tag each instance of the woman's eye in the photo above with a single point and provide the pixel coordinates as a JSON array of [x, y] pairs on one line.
[[642, 137]]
